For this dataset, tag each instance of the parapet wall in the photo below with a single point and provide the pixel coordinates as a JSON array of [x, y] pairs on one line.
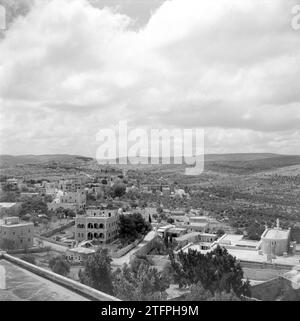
[[77, 287], [30, 250]]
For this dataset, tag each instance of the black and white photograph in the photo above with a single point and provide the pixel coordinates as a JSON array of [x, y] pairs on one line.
[[149, 154]]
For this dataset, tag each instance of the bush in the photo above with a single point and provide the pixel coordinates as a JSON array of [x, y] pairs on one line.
[[59, 265]]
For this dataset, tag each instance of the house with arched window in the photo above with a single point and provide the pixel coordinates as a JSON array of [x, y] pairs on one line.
[[97, 225]]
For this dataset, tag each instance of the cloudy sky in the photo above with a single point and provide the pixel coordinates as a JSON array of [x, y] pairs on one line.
[[71, 67]]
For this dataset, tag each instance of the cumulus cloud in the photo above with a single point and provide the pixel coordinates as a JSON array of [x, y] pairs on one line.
[[71, 67]]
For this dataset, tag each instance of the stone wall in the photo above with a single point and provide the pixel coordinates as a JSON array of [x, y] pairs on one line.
[[124, 250], [53, 241], [58, 229], [264, 265], [274, 289], [145, 249]]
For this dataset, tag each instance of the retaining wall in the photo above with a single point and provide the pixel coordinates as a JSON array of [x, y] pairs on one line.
[[58, 229]]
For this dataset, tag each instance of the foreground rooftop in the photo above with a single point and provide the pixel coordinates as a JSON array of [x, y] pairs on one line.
[[23, 285], [28, 282]]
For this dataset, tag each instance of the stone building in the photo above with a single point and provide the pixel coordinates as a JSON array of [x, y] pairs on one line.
[[19, 234], [275, 241], [98, 225]]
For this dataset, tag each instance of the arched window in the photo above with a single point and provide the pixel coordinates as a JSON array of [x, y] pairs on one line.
[[95, 225], [96, 235], [90, 236], [101, 235], [101, 225], [90, 225]]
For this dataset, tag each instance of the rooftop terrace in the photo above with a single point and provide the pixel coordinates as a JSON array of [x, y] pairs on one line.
[[23, 285], [277, 234]]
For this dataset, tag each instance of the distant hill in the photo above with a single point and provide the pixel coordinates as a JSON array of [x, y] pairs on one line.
[[242, 163], [248, 165], [11, 161]]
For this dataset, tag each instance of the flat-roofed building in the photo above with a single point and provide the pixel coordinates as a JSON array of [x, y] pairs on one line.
[[19, 234], [176, 231], [162, 230], [177, 213], [198, 219], [97, 224], [275, 241], [196, 227], [208, 237], [9, 209], [185, 239]]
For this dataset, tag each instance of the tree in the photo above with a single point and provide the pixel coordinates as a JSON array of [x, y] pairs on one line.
[[159, 210], [7, 244], [155, 216], [163, 216], [48, 198], [218, 271], [59, 265], [33, 205], [10, 197], [220, 232], [97, 272], [118, 190], [138, 260], [255, 231], [144, 283], [69, 213], [170, 220], [132, 226], [198, 293], [225, 296]]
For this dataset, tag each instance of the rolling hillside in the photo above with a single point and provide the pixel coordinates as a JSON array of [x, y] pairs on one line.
[[246, 163]]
